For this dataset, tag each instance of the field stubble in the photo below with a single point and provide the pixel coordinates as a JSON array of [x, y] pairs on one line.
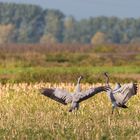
[[26, 114]]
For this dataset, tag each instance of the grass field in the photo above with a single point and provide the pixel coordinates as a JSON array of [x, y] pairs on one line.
[[68, 74], [25, 114], [65, 62]]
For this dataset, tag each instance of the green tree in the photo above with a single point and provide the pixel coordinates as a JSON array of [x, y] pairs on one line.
[[70, 32], [27, 19], [84, 31], [54, 20]]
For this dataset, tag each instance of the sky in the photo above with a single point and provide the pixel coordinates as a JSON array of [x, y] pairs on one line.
[[89, 8]]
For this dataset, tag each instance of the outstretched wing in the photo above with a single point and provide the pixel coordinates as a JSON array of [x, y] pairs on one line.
[[58, 95], [81, 96], [123, 94]]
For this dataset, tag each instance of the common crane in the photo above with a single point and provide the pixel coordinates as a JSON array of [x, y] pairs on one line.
[[75, 98], [121, 94]]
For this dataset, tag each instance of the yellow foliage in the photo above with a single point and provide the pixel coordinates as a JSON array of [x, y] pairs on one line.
[[99, 38], [5, 33], [48, 39]]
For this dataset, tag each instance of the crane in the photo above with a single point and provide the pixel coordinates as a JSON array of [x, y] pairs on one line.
[[121, 94], [64, 97]]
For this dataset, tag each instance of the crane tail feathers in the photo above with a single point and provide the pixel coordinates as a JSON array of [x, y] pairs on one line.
[[124, 106], [135, 88]]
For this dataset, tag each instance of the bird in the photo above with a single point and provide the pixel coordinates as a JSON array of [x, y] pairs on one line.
[[120, 95], [64, 97]]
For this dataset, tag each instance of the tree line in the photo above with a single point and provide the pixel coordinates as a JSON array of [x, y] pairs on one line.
[[21, 23]]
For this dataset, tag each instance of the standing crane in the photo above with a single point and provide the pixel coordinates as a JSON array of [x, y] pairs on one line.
[[75, 98], [121, 94]]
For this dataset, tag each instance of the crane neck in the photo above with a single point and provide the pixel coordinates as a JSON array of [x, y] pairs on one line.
[[107, 80]]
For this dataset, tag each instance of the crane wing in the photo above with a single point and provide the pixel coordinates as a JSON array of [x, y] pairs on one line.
[[117, 86], [81, 96], [124, 93], [58, 95]]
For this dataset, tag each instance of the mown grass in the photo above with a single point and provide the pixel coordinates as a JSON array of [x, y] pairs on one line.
[[25, 114]]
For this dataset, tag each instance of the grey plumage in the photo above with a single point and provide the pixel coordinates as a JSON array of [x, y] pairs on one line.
[[78, 87], [75, 98], [125, 92], [58, 95], [121, 94], [81, 96], [117, 86]]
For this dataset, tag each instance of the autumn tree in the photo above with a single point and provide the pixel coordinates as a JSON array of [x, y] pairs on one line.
[[48, 39], [6, 33], [99, 38]]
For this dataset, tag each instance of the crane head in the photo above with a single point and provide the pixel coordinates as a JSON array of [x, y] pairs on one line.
[[106, 74], [81, 77]]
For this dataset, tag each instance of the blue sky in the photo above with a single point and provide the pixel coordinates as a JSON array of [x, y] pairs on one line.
[[90, 8]]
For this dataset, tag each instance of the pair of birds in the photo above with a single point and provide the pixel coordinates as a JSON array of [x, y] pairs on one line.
[[118, 96]]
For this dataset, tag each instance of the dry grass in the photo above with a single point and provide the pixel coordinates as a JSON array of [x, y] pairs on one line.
[[25, 114]]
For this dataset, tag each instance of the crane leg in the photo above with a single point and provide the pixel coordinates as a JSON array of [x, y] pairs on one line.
[[113, 107], [74, 106], [118, 111]]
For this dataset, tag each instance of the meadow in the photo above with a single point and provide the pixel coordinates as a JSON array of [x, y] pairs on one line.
[[68, 74], [65, 62], [26, 114]]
